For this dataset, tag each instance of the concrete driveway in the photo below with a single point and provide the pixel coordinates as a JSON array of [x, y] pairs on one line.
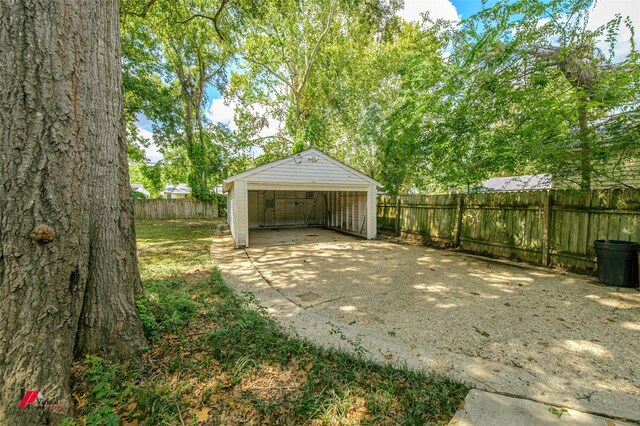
[[550, 337]]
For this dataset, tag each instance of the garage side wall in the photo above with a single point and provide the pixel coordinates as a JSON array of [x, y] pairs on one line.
[[231, 211], [347, 211], [241, 228]]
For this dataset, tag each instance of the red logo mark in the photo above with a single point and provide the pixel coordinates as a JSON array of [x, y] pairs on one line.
[[29, 398]]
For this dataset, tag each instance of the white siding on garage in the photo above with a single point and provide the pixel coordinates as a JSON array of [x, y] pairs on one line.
[[302, 170], [231, 211], [241, 221]]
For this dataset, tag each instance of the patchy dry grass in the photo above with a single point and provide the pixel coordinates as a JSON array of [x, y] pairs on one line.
[[212, 360]]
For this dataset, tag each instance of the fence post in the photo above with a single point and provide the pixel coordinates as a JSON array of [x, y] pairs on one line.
[[398, 207], [458, 230], [587, 224], [546, 217]]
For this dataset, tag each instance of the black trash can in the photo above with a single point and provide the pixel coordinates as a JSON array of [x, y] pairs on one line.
[[617, 262]]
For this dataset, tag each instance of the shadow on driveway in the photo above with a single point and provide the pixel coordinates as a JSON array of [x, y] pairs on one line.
[[549, 337]]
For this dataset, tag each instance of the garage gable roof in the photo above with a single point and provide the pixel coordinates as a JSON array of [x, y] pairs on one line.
[[309, 153]]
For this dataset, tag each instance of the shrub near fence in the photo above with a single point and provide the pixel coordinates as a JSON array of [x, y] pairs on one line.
[[183, 208], [544, 227]]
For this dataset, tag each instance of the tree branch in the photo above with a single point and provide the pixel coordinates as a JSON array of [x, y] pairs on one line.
[[270, 70], [288, 61], [315, 48], [214, 73], [214, 19], [261, 138]]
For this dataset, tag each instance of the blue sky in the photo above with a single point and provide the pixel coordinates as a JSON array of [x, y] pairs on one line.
[[454, 10], [467, 8]]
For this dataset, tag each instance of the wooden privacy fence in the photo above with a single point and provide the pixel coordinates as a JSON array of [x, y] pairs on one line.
[[184, 208], [545, 227]]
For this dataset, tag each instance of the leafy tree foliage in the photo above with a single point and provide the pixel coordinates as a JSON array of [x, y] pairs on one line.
[[522, 87], [175, 53], [294, 65], [150, 176], [529, 89]]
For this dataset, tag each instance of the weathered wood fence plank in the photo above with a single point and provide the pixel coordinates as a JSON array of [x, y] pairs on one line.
[[184, 208], [545, 227]]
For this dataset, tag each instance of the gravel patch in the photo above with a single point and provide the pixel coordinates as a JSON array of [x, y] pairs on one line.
[[551, 337]]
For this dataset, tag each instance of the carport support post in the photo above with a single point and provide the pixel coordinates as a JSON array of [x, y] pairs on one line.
[[398, 207], [372, 212], [458, 231]]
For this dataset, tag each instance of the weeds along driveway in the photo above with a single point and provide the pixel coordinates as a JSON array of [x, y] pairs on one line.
[[555, 338]]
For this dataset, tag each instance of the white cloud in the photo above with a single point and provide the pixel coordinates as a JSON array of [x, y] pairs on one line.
[[145, 134], [273, 125], [152, 152], [605, 10], [438, 9], [220, 112]]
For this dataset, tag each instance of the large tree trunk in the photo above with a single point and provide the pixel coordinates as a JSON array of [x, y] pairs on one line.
[[68, 268]]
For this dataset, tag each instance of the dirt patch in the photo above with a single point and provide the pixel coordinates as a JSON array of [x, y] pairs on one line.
[[271, 383]]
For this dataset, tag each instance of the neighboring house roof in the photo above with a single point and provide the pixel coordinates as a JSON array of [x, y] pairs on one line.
[[181, 188], [515, 183], [312, 155], [137, 187]]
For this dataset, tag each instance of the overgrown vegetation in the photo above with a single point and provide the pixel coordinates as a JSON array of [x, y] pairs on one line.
[[211, 359]]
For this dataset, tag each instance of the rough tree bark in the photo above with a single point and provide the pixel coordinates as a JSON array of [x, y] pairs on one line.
[[68, 266]]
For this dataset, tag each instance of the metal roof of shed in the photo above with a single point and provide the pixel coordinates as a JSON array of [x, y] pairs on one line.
[[515, 183]]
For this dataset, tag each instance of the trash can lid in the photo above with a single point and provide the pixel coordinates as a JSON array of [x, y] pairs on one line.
[[617, 244]]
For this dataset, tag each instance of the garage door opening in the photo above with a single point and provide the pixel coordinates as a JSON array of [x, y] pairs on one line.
[[306, 190], [344, 211]]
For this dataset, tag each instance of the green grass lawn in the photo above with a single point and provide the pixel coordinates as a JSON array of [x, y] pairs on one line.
[[213, 360]]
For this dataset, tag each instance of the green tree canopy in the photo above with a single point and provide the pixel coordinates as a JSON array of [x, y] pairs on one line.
[[522, 87], [531, 89]]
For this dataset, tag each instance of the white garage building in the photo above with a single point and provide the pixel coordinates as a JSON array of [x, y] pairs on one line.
[[308, 189]]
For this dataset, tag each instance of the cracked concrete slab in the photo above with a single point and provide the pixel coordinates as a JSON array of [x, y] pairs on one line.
[[559, 339], [489, 409]]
